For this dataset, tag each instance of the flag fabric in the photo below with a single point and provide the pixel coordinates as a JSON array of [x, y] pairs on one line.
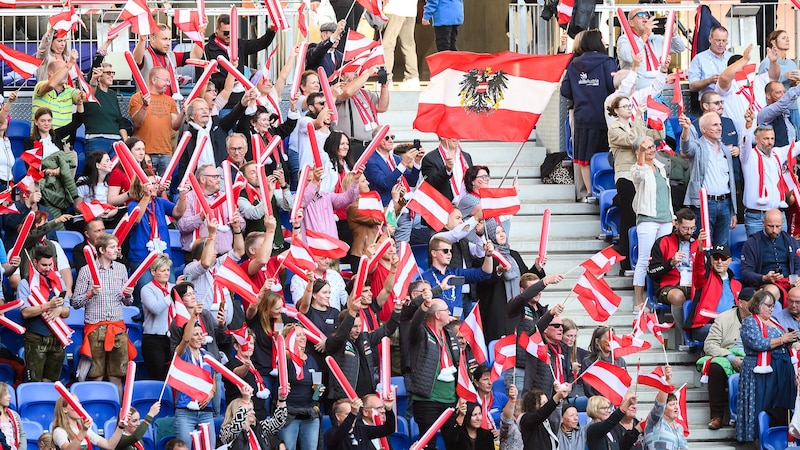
[[652, 324], [92, 210], [375, 7], [370, 205], [432, 205], [300, 256], [33, 157], [190, 379], [137, 13], [472, 330], [704, 22], [407, 270], [602, 261], [189, 21], [657, 114], [654, 379], [677, 94], [597, 297], [505, 356], [534, 345], [65, 21], [8, 3], [301, 20], [276, 15], [470, 93], [498, 202], [24, 64], [376, 57], [627, 345], [321, 244], [683, 417], [357, 44], [90, 97], [464, 388], [612, 382], [294, 353], [565, 11], [230, 275]]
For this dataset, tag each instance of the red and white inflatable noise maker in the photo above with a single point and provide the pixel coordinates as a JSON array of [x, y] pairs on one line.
[[301, 191], [373, 145], [313, 334], [225, 372], [423, 441], [227, 65], [205, 435], [8, 323], [137, 74], [91, 263], [139, 272], [339, 375], [544, 237], [76, 405], [299, 66], [176, 157], [502, 260], [263, 190], [197, 440], [704, 220], [283, 371], [227, 178], [27, 224], [194, 160], [200, 197], [326, 89], [59, 328], [127, 394], [386, 367], [201, 83]]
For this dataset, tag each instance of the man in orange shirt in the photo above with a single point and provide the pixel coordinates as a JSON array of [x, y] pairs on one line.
[[154, 117]]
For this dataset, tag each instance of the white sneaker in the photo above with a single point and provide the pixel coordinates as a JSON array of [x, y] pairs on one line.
[[411, 84]]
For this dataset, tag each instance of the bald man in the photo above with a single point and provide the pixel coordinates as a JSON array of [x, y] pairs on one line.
[[789, 317], [770, 256]]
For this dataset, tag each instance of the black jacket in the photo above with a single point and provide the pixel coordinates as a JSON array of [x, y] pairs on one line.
[[339, 437], [425, 355], [220, 126], [435, 172]]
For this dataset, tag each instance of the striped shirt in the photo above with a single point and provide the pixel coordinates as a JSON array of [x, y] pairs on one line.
[[106, 306], [59, 103]]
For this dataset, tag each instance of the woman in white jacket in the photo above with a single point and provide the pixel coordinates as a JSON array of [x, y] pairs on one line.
[[652, 205]]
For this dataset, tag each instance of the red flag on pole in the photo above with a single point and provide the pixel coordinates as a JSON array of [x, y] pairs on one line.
[[611, 381], [597, 297], [472, 330], [24, 64]]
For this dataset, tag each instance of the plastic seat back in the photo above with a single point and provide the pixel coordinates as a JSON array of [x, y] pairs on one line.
[[68, 241], [32, 432], [146, 392], [36, 401], [99, 398], [775, 438], [420, 252]]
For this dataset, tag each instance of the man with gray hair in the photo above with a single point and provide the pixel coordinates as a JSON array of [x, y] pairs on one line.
[[711, 167], [103, 119]]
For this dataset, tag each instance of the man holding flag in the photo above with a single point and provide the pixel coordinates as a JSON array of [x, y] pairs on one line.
[[649, 43]]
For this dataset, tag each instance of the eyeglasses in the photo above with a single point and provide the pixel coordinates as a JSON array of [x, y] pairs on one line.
[[609, 408], [322, 103], [379, 408], [109, 72], [769, 305], [556, 325], [643, 15], [482, 177], [389, 137], [215, 177], [443, 250], [238, 149], [226, 33], [687, 229], [628, 106], [167, 80], [716, 103]]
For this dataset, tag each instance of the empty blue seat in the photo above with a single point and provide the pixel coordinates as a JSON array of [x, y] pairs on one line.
[[176, 252], [608, 212], [17, 132], [775, 438], [99, 398], [583, 418], [401, 396], [420, 252], [10, 339], [19, 169], [36, 401], [602, 173], [737, 238], [32, 432], [7, 374], [400, 439], [12, 403], [68, 241], [733, 391]]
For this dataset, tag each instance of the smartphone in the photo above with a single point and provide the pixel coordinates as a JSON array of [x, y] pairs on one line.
[[416, 144], [62, 294], [383, 76], [456, 281]]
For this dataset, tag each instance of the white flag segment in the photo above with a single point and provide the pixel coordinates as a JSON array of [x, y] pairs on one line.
[[407, 270]]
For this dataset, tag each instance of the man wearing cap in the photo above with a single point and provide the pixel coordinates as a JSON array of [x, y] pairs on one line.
[[324, 54], [714, 289], [723, 347], [649, 43], [770, 256]]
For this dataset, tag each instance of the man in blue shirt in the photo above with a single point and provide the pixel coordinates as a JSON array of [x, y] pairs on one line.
[[441, 274], [706, 66]]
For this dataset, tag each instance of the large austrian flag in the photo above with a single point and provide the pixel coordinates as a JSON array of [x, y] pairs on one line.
[[471, 93]]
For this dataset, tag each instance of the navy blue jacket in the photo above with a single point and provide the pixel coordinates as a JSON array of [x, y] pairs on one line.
[[751, 258], [588, 82], [382, 179]]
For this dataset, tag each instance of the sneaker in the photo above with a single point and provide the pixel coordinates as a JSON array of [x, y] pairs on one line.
[[411, 84], [628, 273]]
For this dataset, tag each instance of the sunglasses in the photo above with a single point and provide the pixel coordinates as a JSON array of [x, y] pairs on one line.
[[556, 325], [719, 257], [643, 15], [389, 137], [226, 33], [322, 103], [444, 250]]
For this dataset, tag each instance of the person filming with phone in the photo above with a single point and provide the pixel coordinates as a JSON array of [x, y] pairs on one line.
[[780, 265]]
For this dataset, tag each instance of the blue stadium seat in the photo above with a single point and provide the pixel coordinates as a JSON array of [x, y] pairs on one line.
[[609, 216], [581, 403], [775, 438], [401, 396], [162, 443], [7, 374], [420, 252], [36, 402], [135, 331], [568, 137], [99, 398], [694, 345], [675, 123], [413, 430], [326, 423], [602, 173], [176, 252], [400, 439], [763, 426], [32, 432], [68, 240], [733, 391], [583, 418], [146, 392], [13, 393], [108, 428], [490, 348], [737, 238], [17, 132], [633, 253], [19, 170], [10, 339], [736, 268]]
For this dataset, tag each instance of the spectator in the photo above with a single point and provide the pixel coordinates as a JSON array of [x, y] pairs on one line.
[[324, 271], [444, 169], [309, 83], [662, 427], [714, 289], [136, 427], [316, 305], [303, 426], [266, 123], [711, 168], [235, 149], [69, 431], [776, 113], [93, 183], [251, 206], [789, 317], [574, 354], [402, 16], [724, 347], [344, 414], [384, 169], [628, 431], [604, 419], [240, 421], [94, 229], [711, 101], [600, 349], [706, 66], [44, 354], [269, 92], [324, 54], [463, 429], [317, 205], [759, 268], [159, 310], [358, 108], [119, 183], [736, 106], [779, 42], [337, 149], [159, 54], [53, 47], [52, 92], [492, 403], [440, 250], [300, 152], [587, 83], [649, 43], [242, 366], [475, 178], [536, 429], [762, 384], [571, 435], [510, 436], [445, 16], [11, 422], [103, 314], [7, 157], [104, 122], [155, 116], [41, 236]]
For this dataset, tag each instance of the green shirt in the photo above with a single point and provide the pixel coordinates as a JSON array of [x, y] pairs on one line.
[[663, 214], [103, 117], [59, 103]]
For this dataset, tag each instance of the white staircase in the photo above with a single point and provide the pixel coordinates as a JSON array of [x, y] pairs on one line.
[[574, 230]]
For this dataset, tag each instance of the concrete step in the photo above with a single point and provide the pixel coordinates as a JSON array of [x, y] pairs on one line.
[[529, 246]]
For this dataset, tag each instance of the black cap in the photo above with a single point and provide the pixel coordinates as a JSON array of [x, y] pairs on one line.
[[746, 293], [721, 249]]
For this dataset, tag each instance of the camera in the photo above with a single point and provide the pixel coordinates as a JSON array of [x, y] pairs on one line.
[[383, 76]]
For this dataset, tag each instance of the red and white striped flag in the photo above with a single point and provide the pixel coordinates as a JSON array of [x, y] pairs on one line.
[[190, 379], [407, 270], [24, 64], [597, 297], [90, 97], [470, 93], [375, 57], [323, 245], [232, 276], [657, 114], [357, 44], [432, 205], [627, 345], [33, 157], [300, 256], [472, 330], [601, 262], [294, 353], [505, 356], [533, 344], [677, 94], [654, 379], [302, 27], [92, 210], [498, 202], [652, 324], [501, 259], [188, 21], [137, 13], [683, 417], [464, 388], [370, 205], [8, 3], [565, 11], [375, 7], [610, 381], [66, 21]]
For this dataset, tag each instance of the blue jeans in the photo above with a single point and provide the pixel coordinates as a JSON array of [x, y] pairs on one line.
[[187, 421], [294, 168], [306, 430], [160, 163], [719, 217], [103, 144], [753, 222]]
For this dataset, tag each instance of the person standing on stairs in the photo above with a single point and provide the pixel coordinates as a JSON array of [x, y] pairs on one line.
[[671, 263]]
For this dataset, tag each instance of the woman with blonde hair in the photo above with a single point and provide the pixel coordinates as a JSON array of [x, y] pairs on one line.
[[156, 304], [301, 431], [136, 428], [604, 419], [569, 339], [10, 422], [72, 433], [240, 420]]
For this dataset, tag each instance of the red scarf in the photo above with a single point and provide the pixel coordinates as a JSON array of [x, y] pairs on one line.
[[764, 358], [252, 439], [162, 61], [14, 428], [366, 110], [259, 380], [650, 55]]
